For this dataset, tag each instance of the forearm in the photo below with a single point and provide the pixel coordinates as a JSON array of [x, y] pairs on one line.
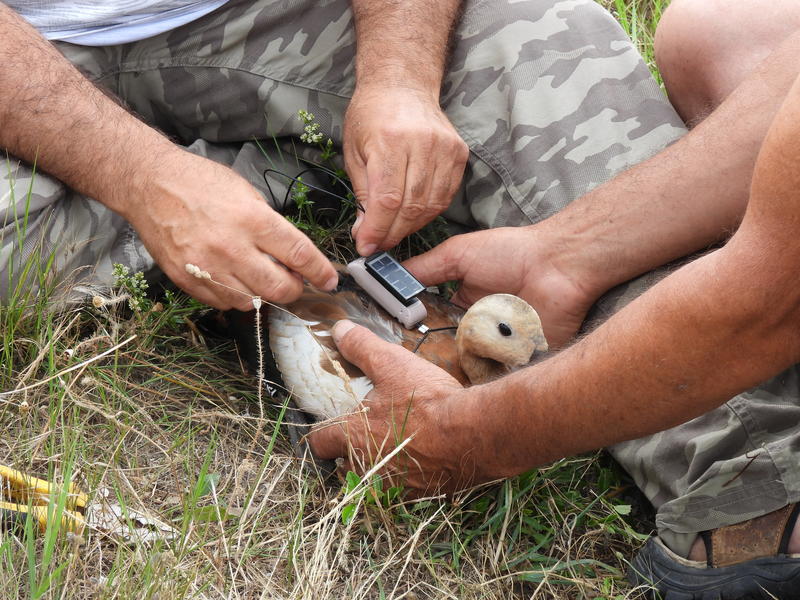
[[51, 114], [688, 197], [688, 345], [403, 43], [716, 327]]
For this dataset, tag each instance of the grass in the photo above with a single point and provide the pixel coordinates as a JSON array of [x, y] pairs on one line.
[[639, 18], [172, 428]]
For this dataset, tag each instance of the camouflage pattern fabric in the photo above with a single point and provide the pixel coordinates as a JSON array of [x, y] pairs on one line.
[[552, 99], [736, 462], [550, 95]]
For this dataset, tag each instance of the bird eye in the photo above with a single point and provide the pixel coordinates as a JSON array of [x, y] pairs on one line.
[[505, 330]]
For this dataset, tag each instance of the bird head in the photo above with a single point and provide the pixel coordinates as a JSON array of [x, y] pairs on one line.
[[497, 333]]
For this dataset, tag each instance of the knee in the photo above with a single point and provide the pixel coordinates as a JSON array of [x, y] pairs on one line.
[[705, 48], [692, 51], [686, 32]]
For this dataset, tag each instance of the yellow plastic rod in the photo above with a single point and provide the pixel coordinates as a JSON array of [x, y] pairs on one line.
[[21, 486], [12, 513]]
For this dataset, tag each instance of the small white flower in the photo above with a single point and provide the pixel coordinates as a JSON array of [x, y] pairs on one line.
[[305, 116]]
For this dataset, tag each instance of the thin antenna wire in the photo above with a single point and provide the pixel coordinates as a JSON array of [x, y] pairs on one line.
[[425, 335]]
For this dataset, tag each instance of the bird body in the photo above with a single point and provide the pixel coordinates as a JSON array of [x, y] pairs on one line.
[[499, 332], [322, 382]]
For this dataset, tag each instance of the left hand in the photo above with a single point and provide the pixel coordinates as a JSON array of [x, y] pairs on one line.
[[426, 407], [528, 262], [405, 160]]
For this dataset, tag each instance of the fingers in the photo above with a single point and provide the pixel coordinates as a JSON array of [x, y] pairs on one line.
[[226, 290], [403, 195], [263, 277], [443, 263], [377, 358], [386, 180], [347, 437], [329, 440], [357, 171], [462, 299], [253, 264], [242, 267], [291, 248], [414, 483], [210, 294], [419, 207]]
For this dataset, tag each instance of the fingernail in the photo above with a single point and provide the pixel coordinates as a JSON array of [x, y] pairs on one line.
[[368, 249], [341, 328], [357, 224], [332, 283]]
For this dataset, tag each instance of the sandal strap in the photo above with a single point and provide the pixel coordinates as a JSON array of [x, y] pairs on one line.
[[767, 535]]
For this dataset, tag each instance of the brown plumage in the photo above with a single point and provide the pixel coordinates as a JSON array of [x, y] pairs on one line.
[[501, 327]]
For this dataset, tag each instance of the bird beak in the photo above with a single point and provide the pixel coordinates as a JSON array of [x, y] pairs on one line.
[[541, 343]]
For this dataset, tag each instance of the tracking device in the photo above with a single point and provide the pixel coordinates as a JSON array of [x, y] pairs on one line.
[[391, 286]]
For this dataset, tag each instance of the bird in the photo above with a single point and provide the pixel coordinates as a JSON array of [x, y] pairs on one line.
[[498, 333]]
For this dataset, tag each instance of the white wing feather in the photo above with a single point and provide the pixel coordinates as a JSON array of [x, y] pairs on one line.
[[300, 359]]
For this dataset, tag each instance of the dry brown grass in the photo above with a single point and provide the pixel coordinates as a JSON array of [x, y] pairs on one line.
[[174, 430]]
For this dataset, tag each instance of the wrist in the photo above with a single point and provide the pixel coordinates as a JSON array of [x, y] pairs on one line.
[[560, 276], [138, 172], [471, 439], [574, 256], [500, 414], [392, 82], [403, 43]]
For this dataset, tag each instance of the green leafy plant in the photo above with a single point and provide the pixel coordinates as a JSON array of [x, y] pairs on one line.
[[166, 313], [371, 494]]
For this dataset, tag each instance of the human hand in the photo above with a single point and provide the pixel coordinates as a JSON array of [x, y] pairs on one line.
[[426, 407], [512, 260], [405, 160], [200, 212]]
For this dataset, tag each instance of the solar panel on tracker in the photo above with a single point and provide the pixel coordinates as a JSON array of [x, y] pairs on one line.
[[394, 277]]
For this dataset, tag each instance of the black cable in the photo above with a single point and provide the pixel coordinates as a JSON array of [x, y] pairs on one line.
[[425, 335], [297, 179]]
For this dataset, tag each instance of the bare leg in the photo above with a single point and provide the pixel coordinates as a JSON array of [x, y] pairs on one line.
[[706, 48]]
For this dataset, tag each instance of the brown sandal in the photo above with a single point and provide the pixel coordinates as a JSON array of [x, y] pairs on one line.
[[745, 561]]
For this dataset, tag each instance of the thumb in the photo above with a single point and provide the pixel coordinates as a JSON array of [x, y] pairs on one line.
[[376, 358], [441, 264], [329, 440], [373, 355]]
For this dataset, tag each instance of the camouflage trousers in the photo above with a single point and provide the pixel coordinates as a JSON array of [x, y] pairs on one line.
[[552, 99]]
